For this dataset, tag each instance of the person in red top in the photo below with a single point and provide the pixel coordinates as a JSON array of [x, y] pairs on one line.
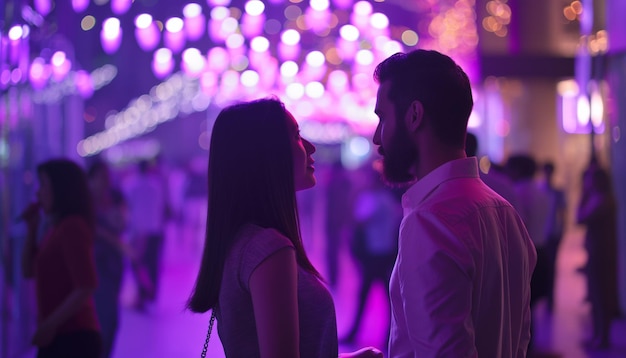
[[62, 263]]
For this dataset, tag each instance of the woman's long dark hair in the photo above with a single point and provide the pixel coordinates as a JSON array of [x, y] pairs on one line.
[[250, 181], [70, 189]]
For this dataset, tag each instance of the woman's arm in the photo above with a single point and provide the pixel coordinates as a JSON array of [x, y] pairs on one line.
[[28, 255], [47, 329], [32, 218], [274, 290]]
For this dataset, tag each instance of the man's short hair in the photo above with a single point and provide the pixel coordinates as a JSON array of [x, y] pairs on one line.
[[438, 83]]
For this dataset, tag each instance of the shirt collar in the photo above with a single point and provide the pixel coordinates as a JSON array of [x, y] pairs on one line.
[[458, 168]]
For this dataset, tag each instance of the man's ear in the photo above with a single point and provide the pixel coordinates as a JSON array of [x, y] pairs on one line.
[[414, 116]]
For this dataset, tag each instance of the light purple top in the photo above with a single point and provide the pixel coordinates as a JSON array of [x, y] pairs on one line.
[[461, 283], [235, 314]]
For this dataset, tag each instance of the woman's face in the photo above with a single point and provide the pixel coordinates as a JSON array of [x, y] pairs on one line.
[[302, 149], [44, 194]]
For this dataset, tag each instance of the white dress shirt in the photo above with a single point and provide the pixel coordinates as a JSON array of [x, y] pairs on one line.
[[461, 283]]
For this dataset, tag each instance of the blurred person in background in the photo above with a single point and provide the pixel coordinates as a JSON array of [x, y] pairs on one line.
[[598, 212], [555, 226], [496, 179], [268, 299], [63, 263], [338, 219], [147, 200], [110, 249], [374, 245], [534, 206]]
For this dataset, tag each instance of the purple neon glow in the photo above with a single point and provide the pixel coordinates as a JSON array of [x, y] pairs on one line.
[[174, 37], [218, 2], [15, 33], [343, 4], [317, 20], [39, 73], [195, 22], [162, 63], [84, 83], [252, 25], [146, 32], [120, 7], [80, 5], [61, 65], [319, 5], [288, 52], [254, 7], [111, 35], [289, 69], [43, 6], [218, 59], [193, 62], [290, 37]]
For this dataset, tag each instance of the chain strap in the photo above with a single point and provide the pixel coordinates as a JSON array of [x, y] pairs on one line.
[[208, 335]]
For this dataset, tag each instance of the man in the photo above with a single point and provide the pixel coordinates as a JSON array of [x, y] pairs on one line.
[[461, 283]]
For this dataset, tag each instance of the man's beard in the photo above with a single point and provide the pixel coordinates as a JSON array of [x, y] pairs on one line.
[[398, 158]]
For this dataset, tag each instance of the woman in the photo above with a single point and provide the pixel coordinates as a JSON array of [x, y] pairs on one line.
[[111, 221], [62, 264], [598, 212], [267, 296]]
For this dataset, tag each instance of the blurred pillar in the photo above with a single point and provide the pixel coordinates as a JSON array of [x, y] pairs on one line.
[[616, 75]]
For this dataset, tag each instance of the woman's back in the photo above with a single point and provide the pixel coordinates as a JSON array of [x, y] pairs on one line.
[[235, 313]]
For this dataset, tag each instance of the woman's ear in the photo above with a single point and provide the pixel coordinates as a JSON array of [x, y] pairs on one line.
[[414, 117]]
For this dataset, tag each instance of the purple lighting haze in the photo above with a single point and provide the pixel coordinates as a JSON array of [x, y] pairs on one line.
[[39, 73], [84, 84], [60, 65], [195, 22], [146, 32], [162, 63], [193, 62], [120, 7], [111, 35], [43, 7], [174, 37], [80, 5]]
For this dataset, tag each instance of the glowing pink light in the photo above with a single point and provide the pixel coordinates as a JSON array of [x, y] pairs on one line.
[[61, 65], [260, 44], [80, 5], [319, 5], [218, 59], [174, 37], [342, 4], [111, 35], [288, 52], [195, 22], [218, 2], [254, 7], [15, 33], [120, 7], [43, 6], [39, 73], [162, 63], [317, 20], [252, 25], [290, 37], [338, 82], [193, 62], [208, 83], [84, 84], [146, 32]]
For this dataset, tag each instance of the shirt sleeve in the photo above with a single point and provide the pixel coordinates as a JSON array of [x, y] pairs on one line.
[[435, 272], [78, 252], [259, 247]]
